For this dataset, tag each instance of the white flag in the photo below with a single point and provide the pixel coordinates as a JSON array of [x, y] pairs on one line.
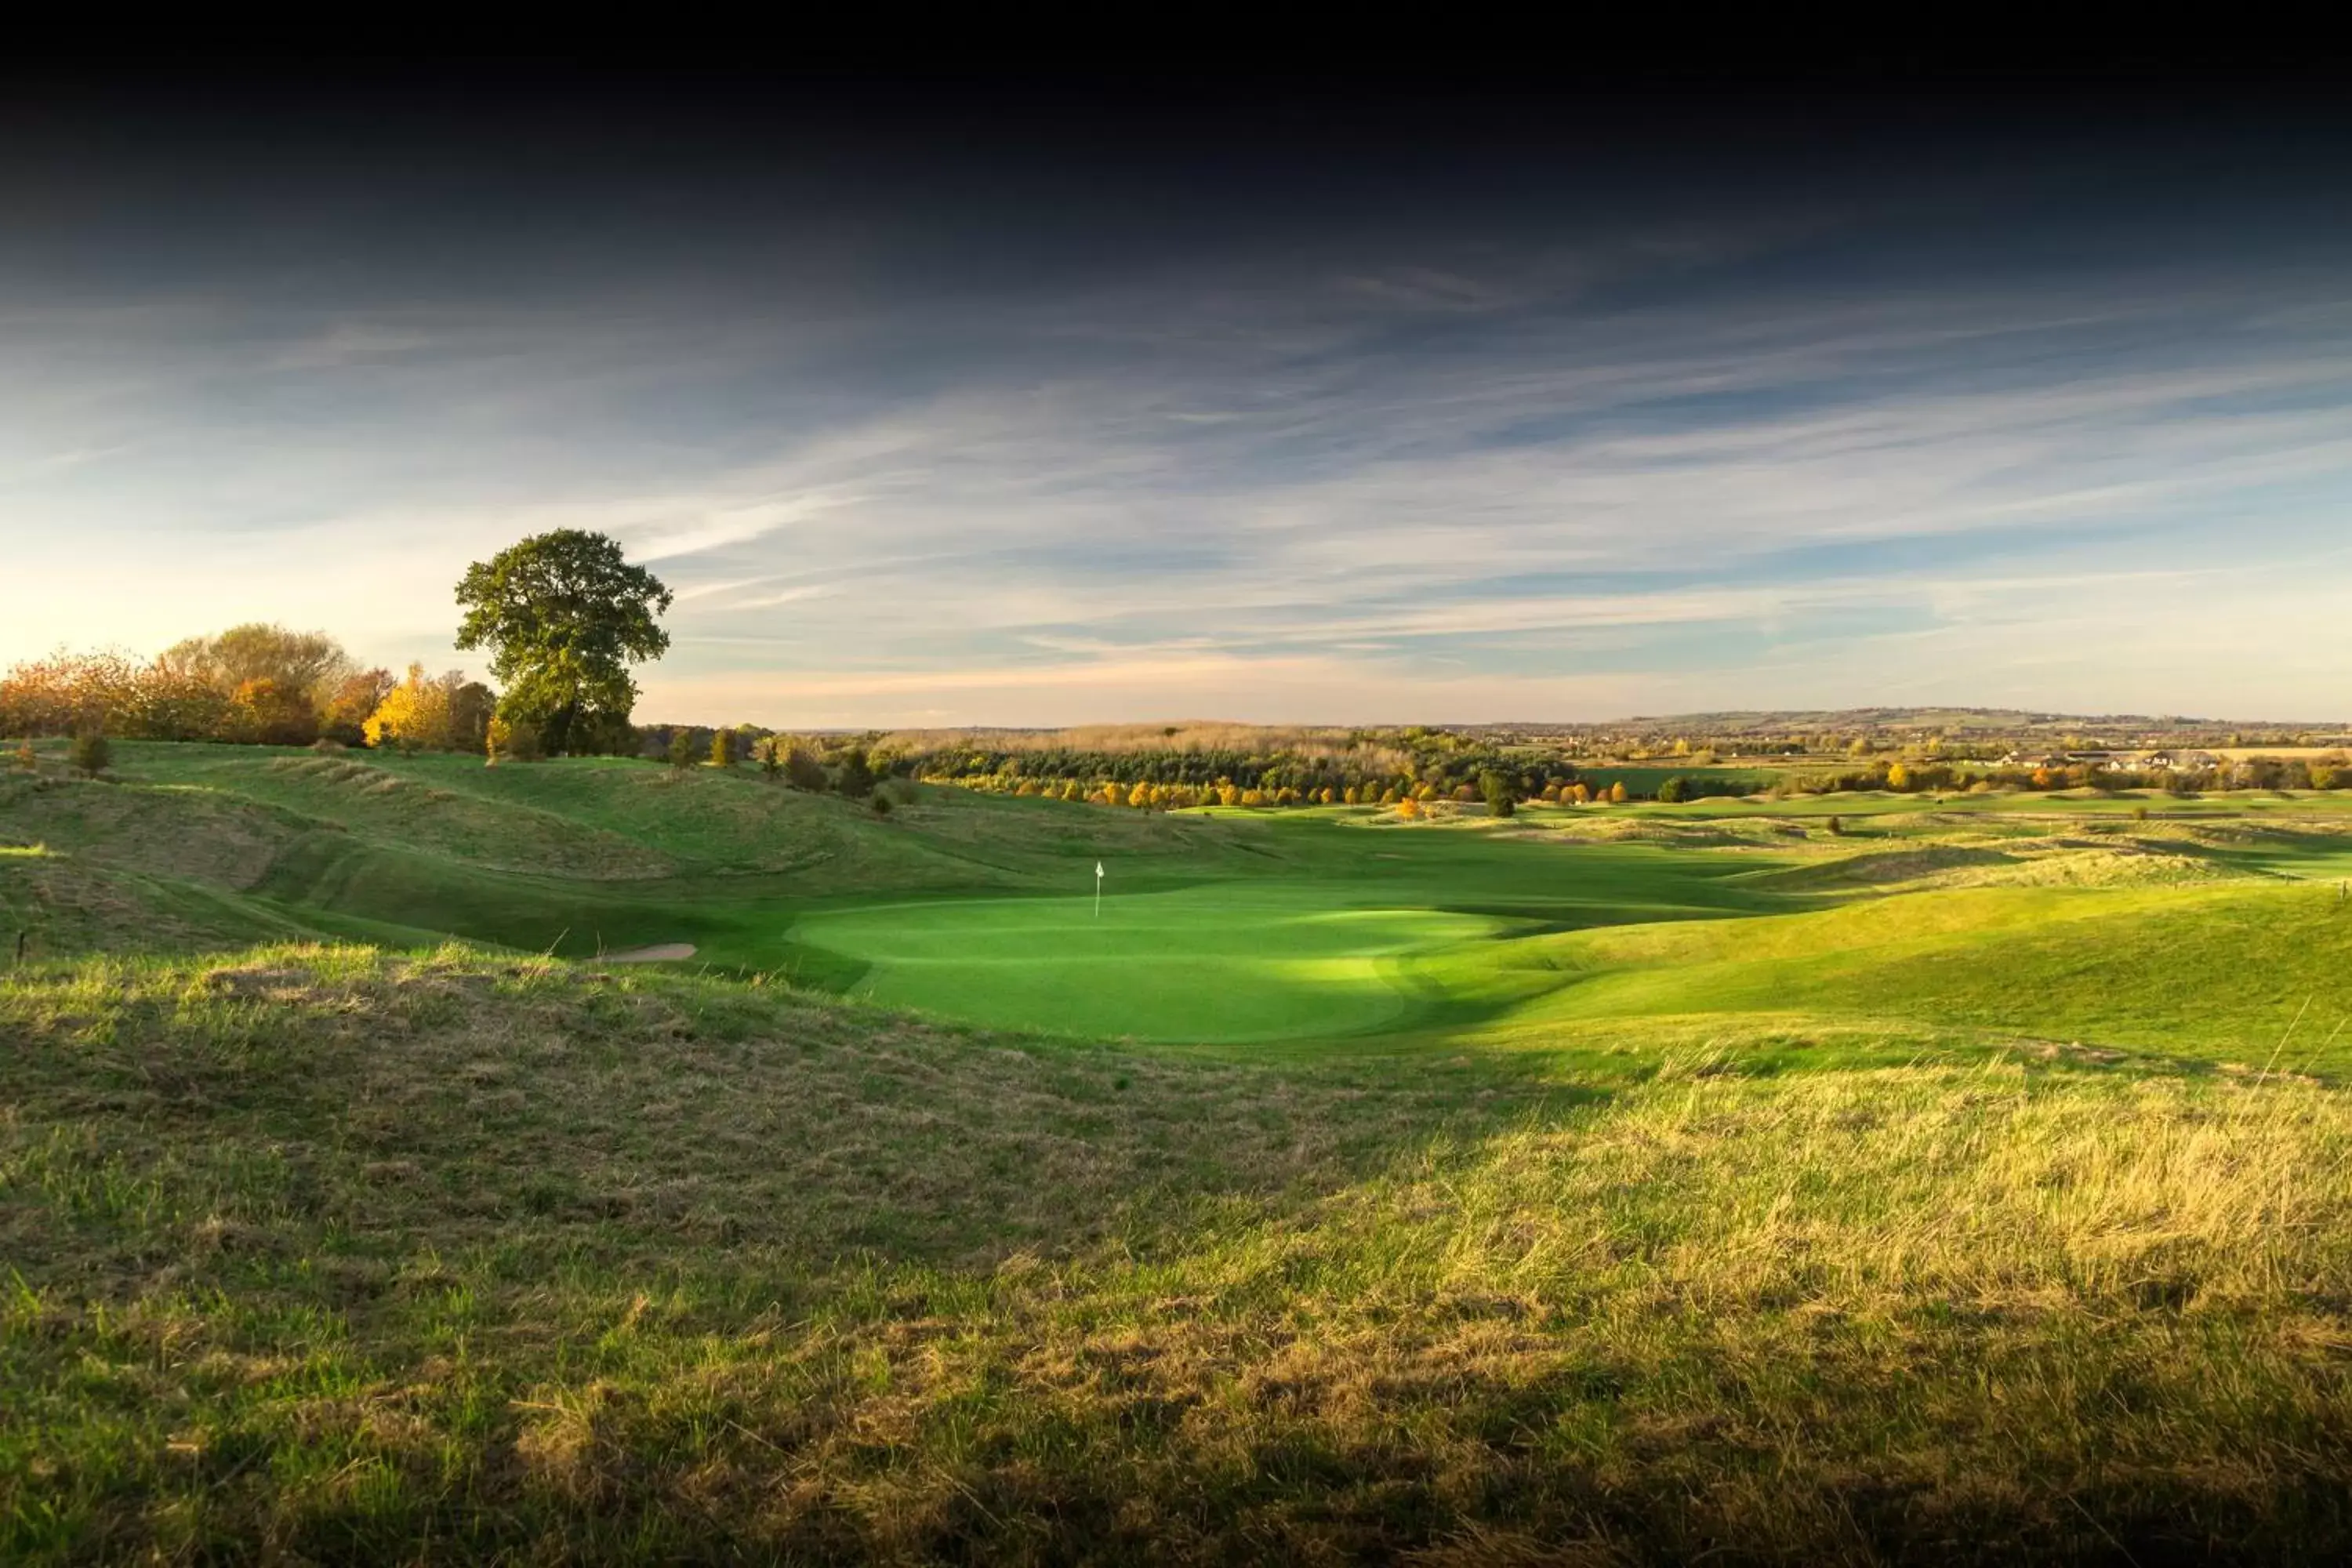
[[1098, 870]]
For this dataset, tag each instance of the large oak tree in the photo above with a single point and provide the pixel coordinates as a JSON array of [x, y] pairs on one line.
[[564, 617]]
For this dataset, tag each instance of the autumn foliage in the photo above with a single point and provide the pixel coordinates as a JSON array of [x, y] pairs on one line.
[[253, 685]]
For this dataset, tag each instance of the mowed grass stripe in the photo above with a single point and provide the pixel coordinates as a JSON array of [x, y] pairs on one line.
[[1204, 965]]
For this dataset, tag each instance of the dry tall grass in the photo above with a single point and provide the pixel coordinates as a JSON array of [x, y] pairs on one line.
[[331, 1256]]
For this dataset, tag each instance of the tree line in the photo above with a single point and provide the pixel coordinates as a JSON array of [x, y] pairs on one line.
[[562, 614]]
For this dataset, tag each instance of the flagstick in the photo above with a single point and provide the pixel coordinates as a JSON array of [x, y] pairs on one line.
[[1098, 890]]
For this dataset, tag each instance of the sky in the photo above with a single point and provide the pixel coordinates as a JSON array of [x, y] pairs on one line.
[[941, 404]]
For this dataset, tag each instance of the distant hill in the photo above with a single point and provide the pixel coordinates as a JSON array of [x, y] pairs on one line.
[[1946, 721]]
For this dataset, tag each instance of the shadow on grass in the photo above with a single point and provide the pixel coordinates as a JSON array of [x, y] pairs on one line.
[[333, 1253]]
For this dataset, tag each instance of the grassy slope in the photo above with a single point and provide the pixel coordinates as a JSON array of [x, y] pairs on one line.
[[2221, 974], [573, 856], [2190, 939], [329, 1254]]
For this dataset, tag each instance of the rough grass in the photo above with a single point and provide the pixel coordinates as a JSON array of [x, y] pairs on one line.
[[1737, 1191], [59, 904], [320, 1254]]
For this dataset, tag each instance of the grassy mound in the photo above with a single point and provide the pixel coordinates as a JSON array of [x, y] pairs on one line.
[[2187, 929], [2237, 973], [330, 1255]]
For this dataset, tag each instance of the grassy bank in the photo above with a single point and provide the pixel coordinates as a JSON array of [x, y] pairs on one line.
[[327, 1253]]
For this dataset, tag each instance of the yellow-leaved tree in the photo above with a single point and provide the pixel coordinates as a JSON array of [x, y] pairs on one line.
[[415, 715]]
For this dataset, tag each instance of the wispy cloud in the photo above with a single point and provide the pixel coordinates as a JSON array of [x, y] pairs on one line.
[[1787, 454]]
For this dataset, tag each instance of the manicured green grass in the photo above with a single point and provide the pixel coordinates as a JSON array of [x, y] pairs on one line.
[[1225, 963], [2138, 923]]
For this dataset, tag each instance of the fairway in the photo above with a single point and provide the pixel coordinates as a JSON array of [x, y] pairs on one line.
[[1561, 1154], [1227, 963]]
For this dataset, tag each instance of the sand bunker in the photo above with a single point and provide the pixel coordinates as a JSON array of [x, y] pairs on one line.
[[654, 954]]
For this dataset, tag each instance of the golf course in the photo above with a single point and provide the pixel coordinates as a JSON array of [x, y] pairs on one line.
[[1830, 1178]]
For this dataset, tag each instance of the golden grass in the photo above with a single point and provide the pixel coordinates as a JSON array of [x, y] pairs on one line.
[[327, 1255]]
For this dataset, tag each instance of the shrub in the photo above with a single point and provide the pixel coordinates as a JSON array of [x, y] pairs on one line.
[[90, 751], [681, 750], [472, 705], [1675, 791], [23, 759], [1837, 827], [1498, 791], [856, 779], [512, 741], [804, 771], [881, 804], [722, 749]]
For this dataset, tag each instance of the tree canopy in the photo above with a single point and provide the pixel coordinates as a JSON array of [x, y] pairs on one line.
[[564, 617], [307, 666]]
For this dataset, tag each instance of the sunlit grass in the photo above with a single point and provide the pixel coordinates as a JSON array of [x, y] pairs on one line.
[[325, 1254], [1696, 1182]]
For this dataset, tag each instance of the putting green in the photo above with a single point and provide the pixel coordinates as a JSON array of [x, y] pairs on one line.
[[1224, 962]]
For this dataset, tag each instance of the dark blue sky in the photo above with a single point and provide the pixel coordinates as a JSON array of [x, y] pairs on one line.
[[1023, 404]]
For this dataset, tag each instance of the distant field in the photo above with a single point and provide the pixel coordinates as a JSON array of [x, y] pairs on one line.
[[1956, 1181]]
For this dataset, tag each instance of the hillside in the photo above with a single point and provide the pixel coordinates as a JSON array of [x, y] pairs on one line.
[[243, 842], [1844, 1180], [320, 1254]]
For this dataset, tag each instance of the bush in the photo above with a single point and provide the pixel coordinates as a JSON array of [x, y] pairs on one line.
[[90, 751], [1675, 791], [514, 741], [681, 750], [1837, 827], [23, 759], [804, 771], [881, 804], [856, 779], [1498, 793]]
